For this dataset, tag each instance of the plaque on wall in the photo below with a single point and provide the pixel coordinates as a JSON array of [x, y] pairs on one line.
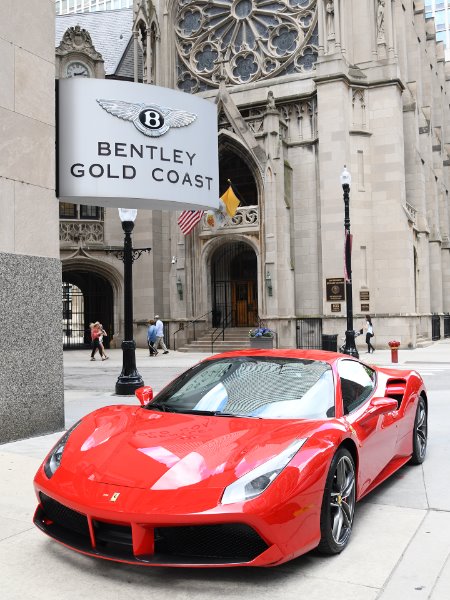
[[365, 308], [335, 289], [336, 307], [364, 296]]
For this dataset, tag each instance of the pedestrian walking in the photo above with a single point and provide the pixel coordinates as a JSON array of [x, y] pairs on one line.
[[369, 334], [100, 340], [151, 338], [97, 333], [160, 335]]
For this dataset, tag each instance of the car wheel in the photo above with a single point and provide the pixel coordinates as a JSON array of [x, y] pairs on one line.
[[338, 504], [420, 433]]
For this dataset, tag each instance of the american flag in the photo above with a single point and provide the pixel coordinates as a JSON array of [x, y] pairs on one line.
[[189, 219]]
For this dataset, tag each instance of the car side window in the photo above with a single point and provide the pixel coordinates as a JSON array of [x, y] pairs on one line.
[[357, 383]]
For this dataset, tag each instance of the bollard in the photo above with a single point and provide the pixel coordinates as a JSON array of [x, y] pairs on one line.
[[393, 345]]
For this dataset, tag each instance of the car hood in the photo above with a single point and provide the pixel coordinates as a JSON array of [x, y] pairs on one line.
[[139, 448]]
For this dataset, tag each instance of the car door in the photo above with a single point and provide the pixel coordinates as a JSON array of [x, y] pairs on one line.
[[377, 435]]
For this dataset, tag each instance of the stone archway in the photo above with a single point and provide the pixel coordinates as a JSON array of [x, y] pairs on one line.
[[87, 297]]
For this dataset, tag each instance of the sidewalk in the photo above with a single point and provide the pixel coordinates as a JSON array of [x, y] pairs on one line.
[[437, 352]]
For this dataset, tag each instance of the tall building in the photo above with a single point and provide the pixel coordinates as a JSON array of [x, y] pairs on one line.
[[302, 89], [66, 7], [439, 11], [31, 377]]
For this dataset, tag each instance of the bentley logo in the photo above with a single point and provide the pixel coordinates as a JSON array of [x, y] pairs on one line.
[[149, 119], [114, 496]]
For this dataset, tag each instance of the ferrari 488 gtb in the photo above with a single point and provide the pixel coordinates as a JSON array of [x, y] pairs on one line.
[[248, 458]]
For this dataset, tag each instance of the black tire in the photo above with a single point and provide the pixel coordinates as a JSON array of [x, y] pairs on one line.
[[420, 433], [338, 504]]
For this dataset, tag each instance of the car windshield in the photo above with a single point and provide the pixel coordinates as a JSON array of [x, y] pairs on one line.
[[258, 387]]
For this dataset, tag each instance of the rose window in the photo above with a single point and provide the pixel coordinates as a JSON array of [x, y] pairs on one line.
[[242, 41]]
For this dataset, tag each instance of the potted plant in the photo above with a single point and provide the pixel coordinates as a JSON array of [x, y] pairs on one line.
[[261, 337]]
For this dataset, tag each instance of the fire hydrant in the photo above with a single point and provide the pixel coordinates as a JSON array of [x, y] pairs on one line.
[[394, 345]]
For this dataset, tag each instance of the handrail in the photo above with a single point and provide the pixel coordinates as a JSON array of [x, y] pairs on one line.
[[187, 325], [222, 330]]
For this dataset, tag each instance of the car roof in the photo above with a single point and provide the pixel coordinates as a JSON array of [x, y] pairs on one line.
[[321, 355]]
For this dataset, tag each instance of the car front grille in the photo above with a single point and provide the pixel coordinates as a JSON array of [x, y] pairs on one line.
[[64, 516], [223, 543]]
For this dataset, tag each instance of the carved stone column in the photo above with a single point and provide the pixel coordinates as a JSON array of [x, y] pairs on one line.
[[390, 7], [381, 28], [135, 56], [322, 28]]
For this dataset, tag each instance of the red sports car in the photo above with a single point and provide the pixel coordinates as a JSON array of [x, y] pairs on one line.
[[248, 458]]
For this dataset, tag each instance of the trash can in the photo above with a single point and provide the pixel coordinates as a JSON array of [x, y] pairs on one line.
[[329, 342]]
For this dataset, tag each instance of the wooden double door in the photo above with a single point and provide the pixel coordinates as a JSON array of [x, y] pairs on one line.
[[244, 300]]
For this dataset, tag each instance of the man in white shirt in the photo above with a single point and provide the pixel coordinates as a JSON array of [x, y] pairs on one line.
[[160, 335]]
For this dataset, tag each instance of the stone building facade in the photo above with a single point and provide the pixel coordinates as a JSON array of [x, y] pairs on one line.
[[31, 378], [302, 88]]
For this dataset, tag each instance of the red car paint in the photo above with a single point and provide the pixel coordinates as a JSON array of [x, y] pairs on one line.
[[132, 468]]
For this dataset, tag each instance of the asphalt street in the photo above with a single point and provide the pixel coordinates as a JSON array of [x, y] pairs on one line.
[[400, 546]]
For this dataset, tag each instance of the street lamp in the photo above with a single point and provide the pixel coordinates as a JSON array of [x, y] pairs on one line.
[[350, 346], [129, 379]]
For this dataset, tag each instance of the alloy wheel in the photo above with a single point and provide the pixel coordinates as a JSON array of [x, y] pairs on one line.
[[342, 501], [421, 429]]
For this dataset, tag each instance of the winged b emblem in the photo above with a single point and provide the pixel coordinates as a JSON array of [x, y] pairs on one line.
[[150, 119]]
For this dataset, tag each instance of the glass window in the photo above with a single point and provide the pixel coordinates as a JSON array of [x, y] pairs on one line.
[[439, 18], [67, 210], [260, 387], [89, 212], [441, 36], [357, 383]]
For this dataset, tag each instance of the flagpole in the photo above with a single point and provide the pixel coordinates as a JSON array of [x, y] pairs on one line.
[[350, 346]]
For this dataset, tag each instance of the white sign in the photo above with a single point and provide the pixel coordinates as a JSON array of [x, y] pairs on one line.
[[124, 144]]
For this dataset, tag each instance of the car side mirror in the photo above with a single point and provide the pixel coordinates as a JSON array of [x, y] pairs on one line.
[[381, 406], [144, 394]]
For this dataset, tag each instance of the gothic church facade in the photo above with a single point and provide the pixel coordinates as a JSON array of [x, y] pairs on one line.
[[302, 88]]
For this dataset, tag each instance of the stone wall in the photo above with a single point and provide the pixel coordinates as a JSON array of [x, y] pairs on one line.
[[31, 375]]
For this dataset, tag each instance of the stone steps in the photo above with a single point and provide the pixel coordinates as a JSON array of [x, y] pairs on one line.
[[236, 338], [423, 342]]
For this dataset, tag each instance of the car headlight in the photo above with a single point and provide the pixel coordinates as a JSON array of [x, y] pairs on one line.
[[254, 482], [54, 458]]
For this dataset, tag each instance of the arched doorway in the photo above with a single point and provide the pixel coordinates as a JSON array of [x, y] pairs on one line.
[[234, 285], [87, 297]]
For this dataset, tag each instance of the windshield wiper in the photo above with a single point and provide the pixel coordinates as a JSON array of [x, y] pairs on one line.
[[237, 415], [157, 406], [214, 413]]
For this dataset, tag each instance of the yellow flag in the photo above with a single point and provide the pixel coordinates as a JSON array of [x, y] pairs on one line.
[[231, 201]]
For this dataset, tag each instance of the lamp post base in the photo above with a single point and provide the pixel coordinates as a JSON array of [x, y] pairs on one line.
[[127, 385], [350, 346], [130, 379]]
